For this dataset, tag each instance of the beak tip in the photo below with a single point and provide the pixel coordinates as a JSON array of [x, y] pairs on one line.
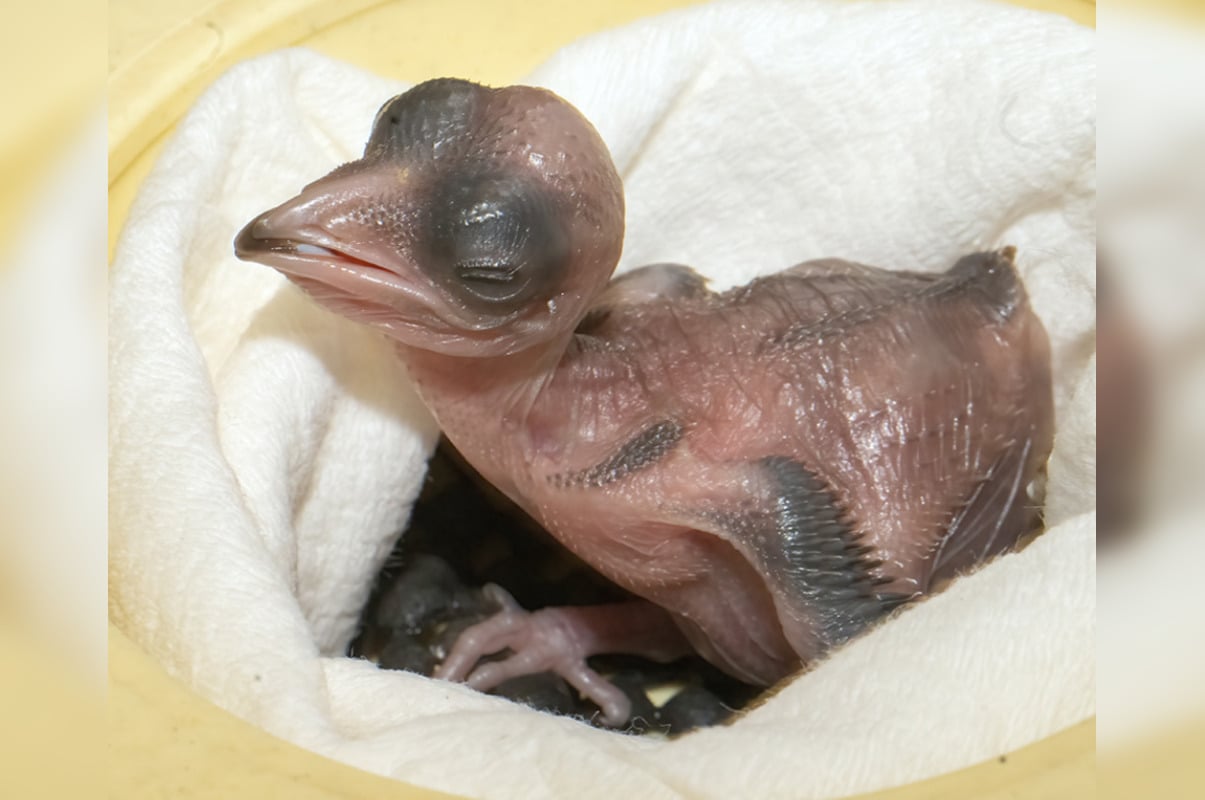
[[246, 244]]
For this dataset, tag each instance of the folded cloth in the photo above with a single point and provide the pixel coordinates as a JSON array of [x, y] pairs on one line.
[[265, 454]]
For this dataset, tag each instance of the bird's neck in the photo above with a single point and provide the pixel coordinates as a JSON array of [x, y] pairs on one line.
[[482, 403]]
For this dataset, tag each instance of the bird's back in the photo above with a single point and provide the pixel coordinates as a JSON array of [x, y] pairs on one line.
[[921, 400]]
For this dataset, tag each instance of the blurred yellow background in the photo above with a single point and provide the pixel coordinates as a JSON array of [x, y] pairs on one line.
[[53, 55]]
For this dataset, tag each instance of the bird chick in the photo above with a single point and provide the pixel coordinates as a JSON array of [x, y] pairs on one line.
[[772, 469]]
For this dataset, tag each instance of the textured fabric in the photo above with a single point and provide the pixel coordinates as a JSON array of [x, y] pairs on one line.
[[264, 454]]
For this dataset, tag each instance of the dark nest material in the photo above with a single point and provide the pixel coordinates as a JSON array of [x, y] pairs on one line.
[[464, 534]]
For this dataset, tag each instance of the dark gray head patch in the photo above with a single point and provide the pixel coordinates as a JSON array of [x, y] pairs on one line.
[[425, 120]]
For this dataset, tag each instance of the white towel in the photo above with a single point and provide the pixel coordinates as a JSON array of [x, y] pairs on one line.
[[264, 453]]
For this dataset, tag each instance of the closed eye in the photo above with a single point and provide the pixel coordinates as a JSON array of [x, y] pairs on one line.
[[486, 272]]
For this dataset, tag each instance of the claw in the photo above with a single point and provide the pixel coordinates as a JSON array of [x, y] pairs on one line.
[[548, 640]]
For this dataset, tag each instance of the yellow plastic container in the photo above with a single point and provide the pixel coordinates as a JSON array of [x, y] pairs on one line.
[[166, 741]]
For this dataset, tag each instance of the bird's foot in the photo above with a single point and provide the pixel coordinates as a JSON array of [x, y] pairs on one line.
[[548, 640]]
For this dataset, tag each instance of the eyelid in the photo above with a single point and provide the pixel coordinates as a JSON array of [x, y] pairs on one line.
[[485, 266]]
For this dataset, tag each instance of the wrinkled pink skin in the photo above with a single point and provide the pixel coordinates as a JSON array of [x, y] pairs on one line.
[[665, 437]]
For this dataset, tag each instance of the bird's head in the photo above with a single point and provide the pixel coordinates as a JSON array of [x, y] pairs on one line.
[[478, 222]]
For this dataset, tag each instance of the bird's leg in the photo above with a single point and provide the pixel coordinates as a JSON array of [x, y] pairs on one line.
[[560, 640]]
